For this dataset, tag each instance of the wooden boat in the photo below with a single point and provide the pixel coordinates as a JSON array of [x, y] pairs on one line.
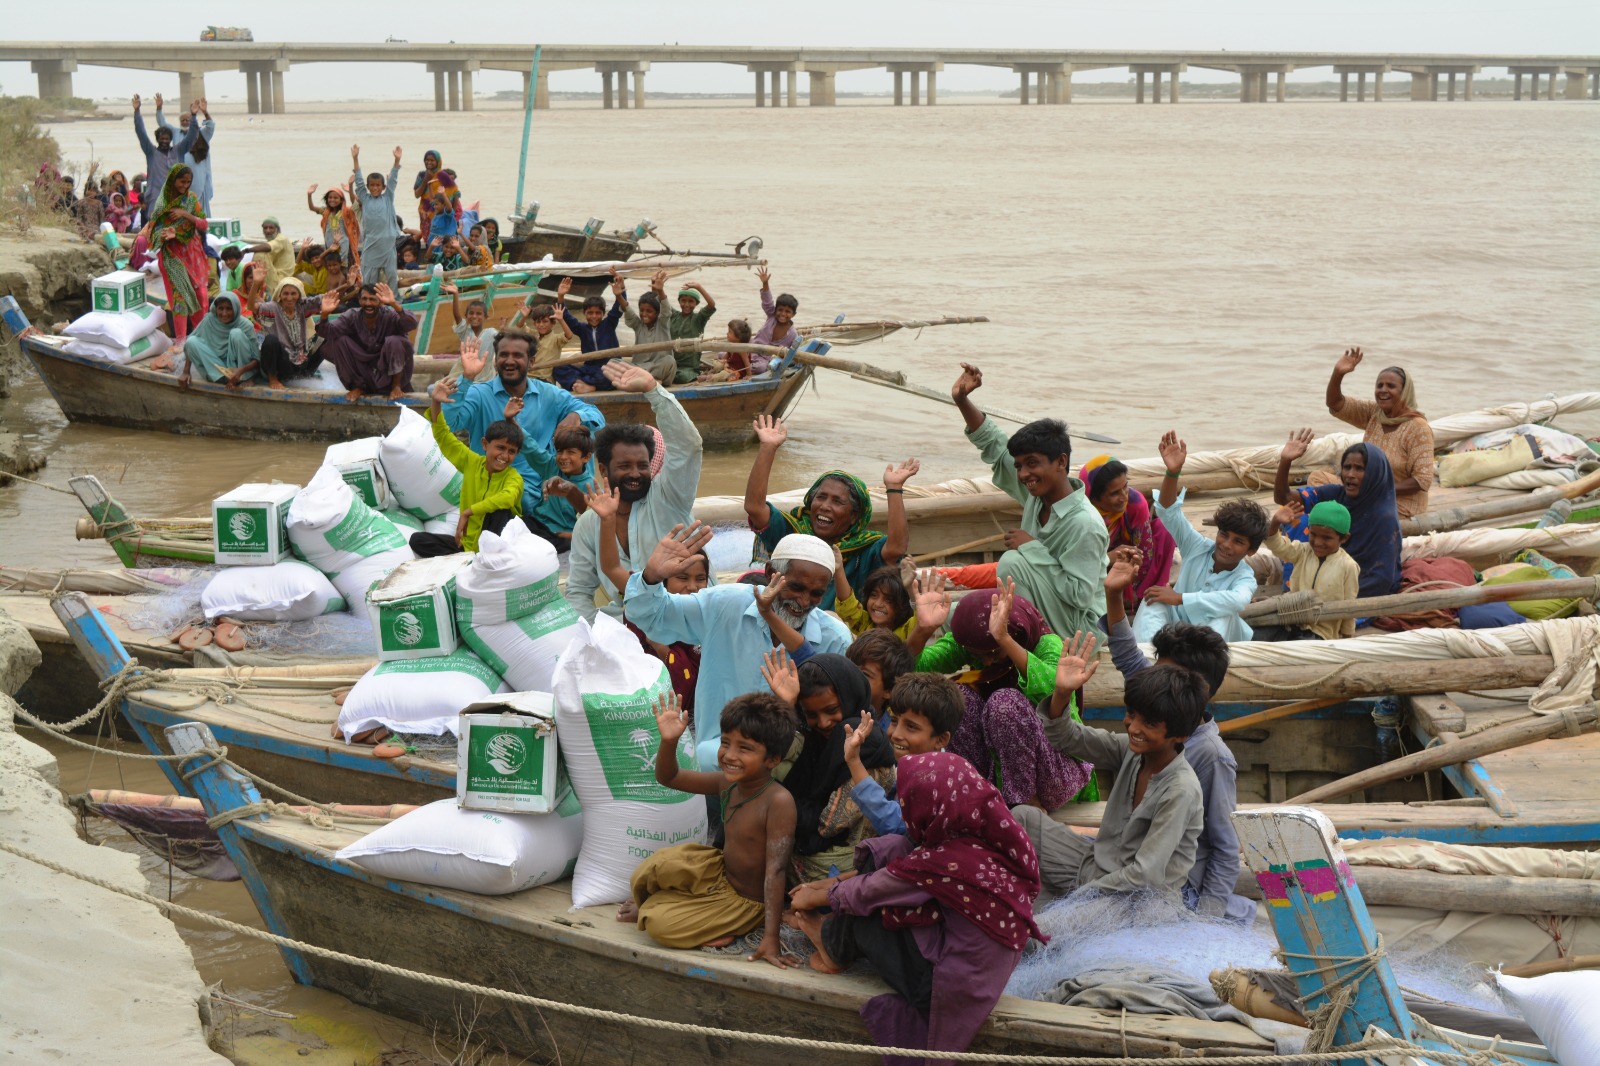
[[535, 944], [92, 390], [281, 729]]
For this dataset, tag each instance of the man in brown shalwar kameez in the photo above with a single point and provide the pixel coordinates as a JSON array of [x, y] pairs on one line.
[[369, 345]]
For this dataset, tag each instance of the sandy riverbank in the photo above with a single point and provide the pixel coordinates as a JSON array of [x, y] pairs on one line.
[[89, 976]]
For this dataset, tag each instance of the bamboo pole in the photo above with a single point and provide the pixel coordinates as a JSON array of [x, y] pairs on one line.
[[1266, 612], [1539, 969], [1351, 679], [1272, 714], [1456, 517], [970, 545], [1470, 893], [686, 344], [1513, 734]]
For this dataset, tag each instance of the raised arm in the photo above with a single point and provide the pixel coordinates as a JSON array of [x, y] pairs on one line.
[[1174, 453], [663, 617], [1343, 367], [603, 501], [671, 721], [145, 144], [930, 597], [898, 540], [1293, 450], [770, 434], [455, 300], [970, 381]]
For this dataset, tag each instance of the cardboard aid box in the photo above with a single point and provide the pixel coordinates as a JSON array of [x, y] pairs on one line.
[[249, 525], [506, 754], [357, 462], [227, 229], [413, 609], [117, 292]]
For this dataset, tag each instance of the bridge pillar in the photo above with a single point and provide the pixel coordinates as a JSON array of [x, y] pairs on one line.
[[466, 89], [1157, 71], [775, 83], [933, 87], [452, 89], [438, 91], [258, 85], [1466, 91], [916, 88], [1282, 75], [1550, 91], [55, 78], [821, 88], [191, 86], [541, 91], [761, 88], [1138, 96], [899, 88], [622, 90], [638, 89], [252, 92], [605, 90], [1024, 74], [1344, 86], [791, 77]]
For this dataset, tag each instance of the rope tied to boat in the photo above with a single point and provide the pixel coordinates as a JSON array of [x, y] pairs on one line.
[[131, 678], [322, 815], [1298, 608], [1370, 1047]]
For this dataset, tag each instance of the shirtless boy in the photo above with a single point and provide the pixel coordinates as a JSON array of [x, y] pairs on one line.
[[692, 894]]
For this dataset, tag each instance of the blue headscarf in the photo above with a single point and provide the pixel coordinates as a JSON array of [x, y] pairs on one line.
[[1374, 523]]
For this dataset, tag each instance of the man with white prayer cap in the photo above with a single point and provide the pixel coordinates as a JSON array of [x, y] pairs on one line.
[[726, 621]]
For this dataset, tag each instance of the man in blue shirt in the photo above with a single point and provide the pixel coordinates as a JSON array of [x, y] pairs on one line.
[[537, 406], [159, 156], [726, 622]]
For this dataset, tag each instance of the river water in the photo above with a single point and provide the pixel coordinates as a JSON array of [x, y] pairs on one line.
[[1195, 267]]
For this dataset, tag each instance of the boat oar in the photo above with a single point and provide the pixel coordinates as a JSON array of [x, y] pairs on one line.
[[1522, 503], [1500, 737], [893, 379], [1272, 714]]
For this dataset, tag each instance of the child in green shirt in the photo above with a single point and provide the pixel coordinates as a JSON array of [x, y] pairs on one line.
[[491, 488]]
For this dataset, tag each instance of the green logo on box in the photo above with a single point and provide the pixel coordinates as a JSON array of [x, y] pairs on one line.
[[409, 623], [241, 529], [504, 761]]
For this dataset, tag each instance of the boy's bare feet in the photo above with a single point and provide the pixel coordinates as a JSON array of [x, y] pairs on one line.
[[161, 362], [810, 923], [719, 942], [396, 392], [274, 383], [352, 396], [628, 912]]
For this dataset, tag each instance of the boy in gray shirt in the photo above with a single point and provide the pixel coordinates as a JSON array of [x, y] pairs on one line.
[[1153, 812], [1201, 649], [378, 227]]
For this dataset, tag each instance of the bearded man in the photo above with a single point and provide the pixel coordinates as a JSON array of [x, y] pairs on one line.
[[538, 407], [726, 622], [648, 506]]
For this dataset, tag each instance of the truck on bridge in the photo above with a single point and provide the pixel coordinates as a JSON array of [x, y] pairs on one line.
[[226, 33]]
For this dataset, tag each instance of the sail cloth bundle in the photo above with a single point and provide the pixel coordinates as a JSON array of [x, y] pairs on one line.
[[1574, 644]]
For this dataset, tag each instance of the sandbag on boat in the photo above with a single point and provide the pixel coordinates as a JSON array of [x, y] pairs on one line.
[[419, 475], [143, 348], [445, 523], [1560, 1007], [512, 575], [475, 851], [605, 689], [523, 650], [331, 528], [290, 591], [117, 329], [417, 695]]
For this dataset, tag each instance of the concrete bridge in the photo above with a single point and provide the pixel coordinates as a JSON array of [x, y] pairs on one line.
[[1044, 76]]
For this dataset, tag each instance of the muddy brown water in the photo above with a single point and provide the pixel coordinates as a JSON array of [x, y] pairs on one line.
[[1197, 267]]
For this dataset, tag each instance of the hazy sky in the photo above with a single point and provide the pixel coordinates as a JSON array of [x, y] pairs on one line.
[[1517, 26]]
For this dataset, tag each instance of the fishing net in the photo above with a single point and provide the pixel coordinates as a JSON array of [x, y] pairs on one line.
[[1109, 932]]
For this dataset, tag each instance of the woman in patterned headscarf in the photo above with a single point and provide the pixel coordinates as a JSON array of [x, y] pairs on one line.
[[943, 912], [1129, 521], [177, 228], [836, 508], [1004, 658]]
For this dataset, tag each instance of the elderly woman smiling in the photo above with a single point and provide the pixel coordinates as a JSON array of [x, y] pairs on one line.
[[1392, 422], [837, 508]]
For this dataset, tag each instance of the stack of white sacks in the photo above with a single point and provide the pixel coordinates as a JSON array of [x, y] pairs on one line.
[[453, 632], [123, 327]]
